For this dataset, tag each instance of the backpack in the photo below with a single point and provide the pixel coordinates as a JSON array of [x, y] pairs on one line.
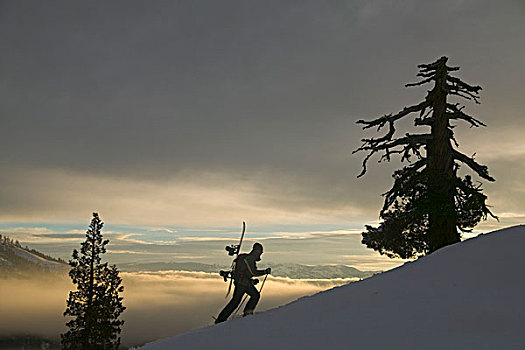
[[240, 271]]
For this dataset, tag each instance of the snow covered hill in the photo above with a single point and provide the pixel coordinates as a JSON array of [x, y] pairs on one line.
[[15, 259], [38, 260], [470, 295]]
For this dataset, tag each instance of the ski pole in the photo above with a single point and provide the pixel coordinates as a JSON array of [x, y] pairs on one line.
[[262, 285]]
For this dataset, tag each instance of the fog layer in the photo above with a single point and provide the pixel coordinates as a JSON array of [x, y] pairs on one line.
[[159, 304]]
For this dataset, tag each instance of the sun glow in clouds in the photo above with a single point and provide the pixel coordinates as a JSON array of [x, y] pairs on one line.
[[159, 304]]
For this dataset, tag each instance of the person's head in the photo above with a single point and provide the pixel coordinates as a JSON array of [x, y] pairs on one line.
[[257, 250]]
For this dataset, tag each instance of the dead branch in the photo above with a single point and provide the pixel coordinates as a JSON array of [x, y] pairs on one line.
[[457, 113], [410, 145], [387, 118], [481, 170]]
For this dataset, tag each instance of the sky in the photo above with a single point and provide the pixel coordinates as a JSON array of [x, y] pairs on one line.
[[179, 120]]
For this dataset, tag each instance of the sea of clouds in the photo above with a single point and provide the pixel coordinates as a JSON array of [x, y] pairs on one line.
[[159, 304]]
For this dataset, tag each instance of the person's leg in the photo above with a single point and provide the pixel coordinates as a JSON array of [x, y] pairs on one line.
[[254, 299], [232, 305]]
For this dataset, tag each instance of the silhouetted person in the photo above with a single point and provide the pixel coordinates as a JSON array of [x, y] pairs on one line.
[[245, 269]]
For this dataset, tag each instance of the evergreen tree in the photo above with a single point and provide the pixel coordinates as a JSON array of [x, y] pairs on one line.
[[429, 203], [96, 304]]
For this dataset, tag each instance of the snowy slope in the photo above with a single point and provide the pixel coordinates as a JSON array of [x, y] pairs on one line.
[[17, 258], [35, 259], [470, 295]]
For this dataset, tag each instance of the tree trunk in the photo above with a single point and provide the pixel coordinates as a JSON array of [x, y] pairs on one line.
[[442, 217], [89, 309]]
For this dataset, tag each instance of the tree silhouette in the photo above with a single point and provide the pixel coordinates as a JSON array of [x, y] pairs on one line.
[[96, 304], [429, 204]]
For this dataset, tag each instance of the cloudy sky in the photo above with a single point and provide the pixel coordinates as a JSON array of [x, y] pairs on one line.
[[192, 116]]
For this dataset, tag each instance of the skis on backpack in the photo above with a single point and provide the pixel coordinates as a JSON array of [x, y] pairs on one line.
[[233, 250]]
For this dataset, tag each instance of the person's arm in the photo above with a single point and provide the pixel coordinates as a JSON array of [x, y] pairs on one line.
[[251, 265]]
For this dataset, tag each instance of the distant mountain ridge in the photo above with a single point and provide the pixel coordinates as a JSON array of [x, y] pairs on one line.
[[16, 260], [319, 271], [295, 271]]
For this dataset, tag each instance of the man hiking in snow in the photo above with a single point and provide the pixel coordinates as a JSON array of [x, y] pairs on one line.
[[245, 269]]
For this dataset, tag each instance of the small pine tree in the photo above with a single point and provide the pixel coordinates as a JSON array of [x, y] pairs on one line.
[[96, 304]]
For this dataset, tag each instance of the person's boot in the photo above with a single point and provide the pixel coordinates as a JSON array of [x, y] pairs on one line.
[[247, 312]]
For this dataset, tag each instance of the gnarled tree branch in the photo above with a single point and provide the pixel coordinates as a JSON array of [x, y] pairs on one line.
[[410, 143], [458, 114], [481, 170], [462, 89], [389, 118]]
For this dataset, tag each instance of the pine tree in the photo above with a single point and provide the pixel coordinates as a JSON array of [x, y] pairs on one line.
[[96, 304], [429, 203]]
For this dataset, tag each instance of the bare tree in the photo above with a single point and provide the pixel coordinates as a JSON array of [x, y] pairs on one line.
[[429, 204]]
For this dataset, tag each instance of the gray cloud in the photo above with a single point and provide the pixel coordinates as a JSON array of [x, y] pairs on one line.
[[63, 235], [259, 94]]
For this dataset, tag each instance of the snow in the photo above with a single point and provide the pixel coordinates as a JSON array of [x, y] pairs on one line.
[[469, 295]]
